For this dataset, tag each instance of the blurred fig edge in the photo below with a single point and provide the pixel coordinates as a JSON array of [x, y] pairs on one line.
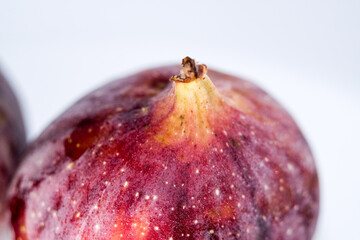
[[12, 140]]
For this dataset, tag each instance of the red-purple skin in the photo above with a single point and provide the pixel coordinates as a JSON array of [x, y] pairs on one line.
[[12, 137], [98, 172]]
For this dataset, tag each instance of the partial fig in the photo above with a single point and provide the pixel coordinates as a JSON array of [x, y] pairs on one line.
[[205, 155], [12, 138]]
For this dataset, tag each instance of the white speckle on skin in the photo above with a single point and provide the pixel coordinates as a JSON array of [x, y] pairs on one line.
[[147, 197], [289, 231], [266, 187], [197, 171], [217, 192], [156, 228], [97, 227], [70, 165], [225, 133], [155, 197], [266, 159], [136, 194], [232, 186], [290, 166], [195, 221], [211, 231], [126, 184]]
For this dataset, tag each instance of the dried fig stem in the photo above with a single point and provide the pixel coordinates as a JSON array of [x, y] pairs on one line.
[[190, 71]]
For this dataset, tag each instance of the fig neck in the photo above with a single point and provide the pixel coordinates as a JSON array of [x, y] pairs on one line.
[[195, 104]]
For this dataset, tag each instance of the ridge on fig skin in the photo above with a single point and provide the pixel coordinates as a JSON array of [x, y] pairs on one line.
[[250, 176]]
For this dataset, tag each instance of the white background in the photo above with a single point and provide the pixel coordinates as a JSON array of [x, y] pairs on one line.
[[305, 53]]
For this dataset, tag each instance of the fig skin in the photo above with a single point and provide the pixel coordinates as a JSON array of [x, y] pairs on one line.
[[148, 158], [12, 138]]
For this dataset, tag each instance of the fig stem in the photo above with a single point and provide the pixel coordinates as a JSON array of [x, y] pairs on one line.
[[190, 71]]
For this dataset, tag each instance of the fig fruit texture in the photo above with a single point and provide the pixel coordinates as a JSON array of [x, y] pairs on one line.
[[12, 138], [164, 156]]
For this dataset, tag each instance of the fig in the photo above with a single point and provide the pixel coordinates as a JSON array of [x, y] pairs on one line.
[[12, 138], [156, 155]]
